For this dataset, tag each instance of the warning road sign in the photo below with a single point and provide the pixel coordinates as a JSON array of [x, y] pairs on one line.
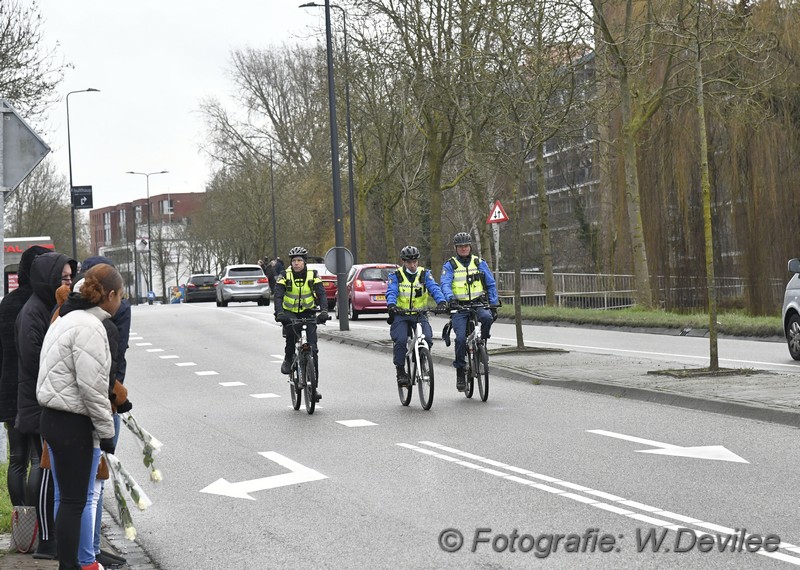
[[497, 214]]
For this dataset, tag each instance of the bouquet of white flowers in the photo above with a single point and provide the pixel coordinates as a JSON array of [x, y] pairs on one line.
[[150, 445]]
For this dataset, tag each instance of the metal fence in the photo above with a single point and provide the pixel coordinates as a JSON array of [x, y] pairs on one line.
[[607, 291]]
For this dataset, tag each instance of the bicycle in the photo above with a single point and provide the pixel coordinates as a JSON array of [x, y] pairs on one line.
[[419, 365], [477, 357], [303, 375]]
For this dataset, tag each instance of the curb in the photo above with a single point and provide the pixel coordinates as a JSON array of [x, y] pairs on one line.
[[699, 403]]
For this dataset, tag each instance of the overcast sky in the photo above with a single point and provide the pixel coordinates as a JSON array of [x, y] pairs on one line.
[[153, 61]]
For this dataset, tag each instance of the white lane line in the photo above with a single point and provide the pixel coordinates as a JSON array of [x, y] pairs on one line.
[[185, 364], [206, 373], [277, 356], [268, 395], [155, 350], [687, 522], [229, 384], [135, 338], [355, 423], [632, 438], [144, 344], [169, 356]]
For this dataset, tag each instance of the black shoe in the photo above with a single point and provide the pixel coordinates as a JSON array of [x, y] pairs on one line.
[[108, 560], [317, 396], [461, 382], [402, 378], [46, 550], [446, 334], [286, 367]]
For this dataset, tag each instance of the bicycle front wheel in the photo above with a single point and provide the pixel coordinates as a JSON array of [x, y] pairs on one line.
[[310, 387], [425, 378], [482, 370], [294, 388], [469, 374]]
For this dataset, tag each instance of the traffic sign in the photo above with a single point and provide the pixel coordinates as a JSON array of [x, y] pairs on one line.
[[22, 149], [82, 197], [497, 214], [330, 260]]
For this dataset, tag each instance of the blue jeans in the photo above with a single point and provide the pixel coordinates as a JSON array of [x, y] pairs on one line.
[[401, 329], [459, 321], [98, 521]]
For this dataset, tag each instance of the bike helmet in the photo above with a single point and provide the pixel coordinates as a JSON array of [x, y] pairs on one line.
[[409, 252], [298, 252], [462, 238]]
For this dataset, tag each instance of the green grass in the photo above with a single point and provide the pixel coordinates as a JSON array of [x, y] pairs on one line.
[[733, 323], [5, 501]]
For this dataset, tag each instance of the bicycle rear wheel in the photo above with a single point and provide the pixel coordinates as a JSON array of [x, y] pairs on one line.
[[294, 388], [482, 369], [405, 391], [310, 387], [425, 378]]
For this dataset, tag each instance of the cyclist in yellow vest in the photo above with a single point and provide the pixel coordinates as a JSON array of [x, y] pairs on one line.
[[465, 278], [297, 294], [409, 288]]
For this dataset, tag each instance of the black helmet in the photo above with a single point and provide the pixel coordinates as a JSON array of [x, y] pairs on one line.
[[462, 238], [409, 252], [298, 251]]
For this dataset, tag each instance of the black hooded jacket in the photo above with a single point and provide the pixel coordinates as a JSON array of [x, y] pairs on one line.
[[10, 307], [31, 326]]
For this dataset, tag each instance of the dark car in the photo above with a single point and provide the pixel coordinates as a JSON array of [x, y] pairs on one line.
[[201, 287], [366, 288]]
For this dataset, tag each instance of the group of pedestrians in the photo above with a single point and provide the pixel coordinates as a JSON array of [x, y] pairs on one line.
[[465, 278], [63, 338]]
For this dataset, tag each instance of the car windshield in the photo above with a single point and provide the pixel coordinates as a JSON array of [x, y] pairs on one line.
[[203, 279], [245, 272], [375, 274]]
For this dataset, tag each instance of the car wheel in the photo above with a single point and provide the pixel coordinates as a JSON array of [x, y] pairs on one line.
[[793, 336], [351, 312]]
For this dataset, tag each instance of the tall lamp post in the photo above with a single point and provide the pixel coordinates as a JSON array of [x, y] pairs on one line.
[[353, 244], [147, 175], [272, 190], [69, 159]]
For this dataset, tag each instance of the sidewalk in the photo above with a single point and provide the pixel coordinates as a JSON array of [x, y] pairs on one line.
[[761, 395]]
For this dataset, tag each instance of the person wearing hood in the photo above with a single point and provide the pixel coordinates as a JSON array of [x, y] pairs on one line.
[[48, 272], [76, 416], [23, 484]]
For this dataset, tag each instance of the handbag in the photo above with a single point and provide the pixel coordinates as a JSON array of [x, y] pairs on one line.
[[24, 529]]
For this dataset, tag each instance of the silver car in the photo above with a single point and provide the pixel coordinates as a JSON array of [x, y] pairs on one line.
[[243, 283], [791, 310]]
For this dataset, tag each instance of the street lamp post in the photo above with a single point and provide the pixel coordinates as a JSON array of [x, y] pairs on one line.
[[69, 159], [272, 190], [353, 244], [147, 175]]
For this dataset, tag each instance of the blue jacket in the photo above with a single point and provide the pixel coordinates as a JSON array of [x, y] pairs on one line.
[[489, 283], [392, 288]]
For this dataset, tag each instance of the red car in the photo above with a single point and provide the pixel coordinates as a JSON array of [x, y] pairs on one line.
[[328, 281], [366, 288]]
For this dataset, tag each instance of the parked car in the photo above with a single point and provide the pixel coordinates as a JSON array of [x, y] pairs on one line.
[[328, 281], [366, 289], [243, 283], [791, 310], [200, 287]]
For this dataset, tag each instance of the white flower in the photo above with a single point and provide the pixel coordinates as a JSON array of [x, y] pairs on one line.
[[130, 533], [155, 475], [142, 505]]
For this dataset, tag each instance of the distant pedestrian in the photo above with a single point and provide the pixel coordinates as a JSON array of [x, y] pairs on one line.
[[279, 266], [269, 271], [48, 272], [76, 416]]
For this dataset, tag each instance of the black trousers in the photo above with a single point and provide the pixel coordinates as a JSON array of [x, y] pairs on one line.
[[70, 438], [23, 485], [292, 333]]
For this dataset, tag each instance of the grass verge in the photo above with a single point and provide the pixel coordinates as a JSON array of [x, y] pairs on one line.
[[5, 501], [732, 323]]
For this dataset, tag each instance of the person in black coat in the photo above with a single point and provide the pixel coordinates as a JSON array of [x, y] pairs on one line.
[[48, 272], [22, 488]]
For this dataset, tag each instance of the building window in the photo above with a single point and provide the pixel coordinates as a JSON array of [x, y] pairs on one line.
[[107, 228], [137, 214], [167, 207]]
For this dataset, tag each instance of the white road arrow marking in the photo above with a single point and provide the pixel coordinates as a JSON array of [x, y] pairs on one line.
[[714, 452], [241, 490]]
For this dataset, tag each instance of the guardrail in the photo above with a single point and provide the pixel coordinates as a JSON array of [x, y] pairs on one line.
[[609, 291]]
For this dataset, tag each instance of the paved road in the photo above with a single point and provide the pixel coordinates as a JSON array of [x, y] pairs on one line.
[[373, 484]]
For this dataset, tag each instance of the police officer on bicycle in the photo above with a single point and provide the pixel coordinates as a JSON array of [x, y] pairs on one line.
[[408, 289], [298, 291], [465, 278]]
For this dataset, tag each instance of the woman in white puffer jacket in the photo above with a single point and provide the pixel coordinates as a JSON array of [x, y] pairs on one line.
[[72, 388]]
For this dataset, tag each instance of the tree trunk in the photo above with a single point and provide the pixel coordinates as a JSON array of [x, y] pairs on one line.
[[544, 225]]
